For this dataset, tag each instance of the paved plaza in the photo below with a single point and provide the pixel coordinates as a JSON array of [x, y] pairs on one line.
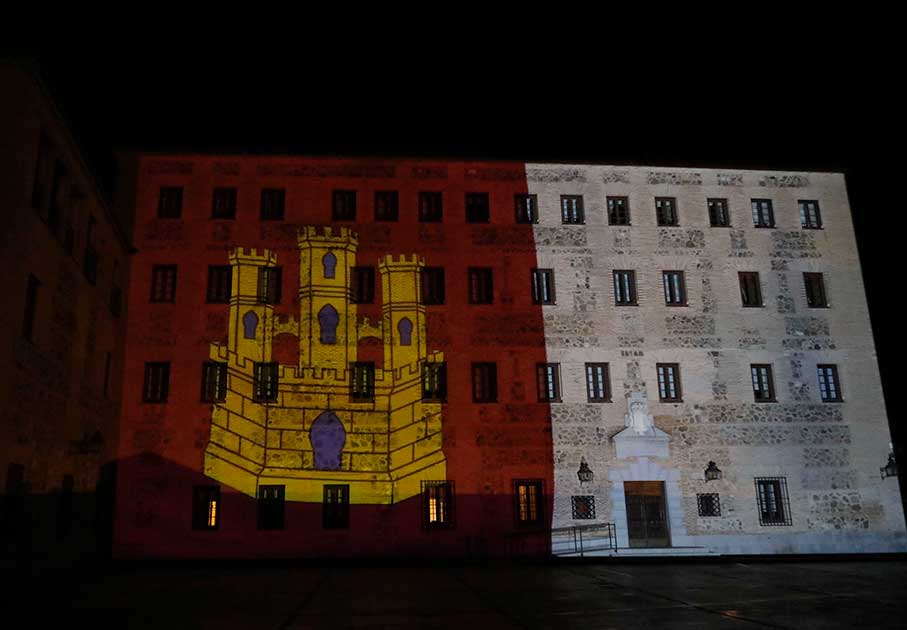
[[610, 594]]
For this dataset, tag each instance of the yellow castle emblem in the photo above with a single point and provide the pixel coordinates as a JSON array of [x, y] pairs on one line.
[[329, 419]]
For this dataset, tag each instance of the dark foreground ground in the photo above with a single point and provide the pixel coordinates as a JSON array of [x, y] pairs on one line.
[[846, 594]]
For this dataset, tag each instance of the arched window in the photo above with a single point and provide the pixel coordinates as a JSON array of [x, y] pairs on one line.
[[249, 324], [330, 264], [405, 328], [327, 437], [327, 320]]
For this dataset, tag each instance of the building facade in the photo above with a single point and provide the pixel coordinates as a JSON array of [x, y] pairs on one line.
[[344, 357], [65, 266]]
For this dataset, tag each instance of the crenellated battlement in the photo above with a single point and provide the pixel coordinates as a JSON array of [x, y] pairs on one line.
[[340, 235], [390, 262], [252, 256]]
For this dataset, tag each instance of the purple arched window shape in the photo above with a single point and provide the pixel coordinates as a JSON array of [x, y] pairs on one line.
[[249, 324], [330, 264], [405, 328], [327, 436], [327, 320]]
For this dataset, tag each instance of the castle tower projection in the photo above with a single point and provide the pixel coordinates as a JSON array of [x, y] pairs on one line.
[[328, 418]]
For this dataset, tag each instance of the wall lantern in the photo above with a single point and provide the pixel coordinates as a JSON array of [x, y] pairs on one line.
[[584, 473], [712, 472], [890, 469]]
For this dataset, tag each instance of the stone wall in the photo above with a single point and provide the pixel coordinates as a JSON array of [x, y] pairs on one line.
[[828, 453]]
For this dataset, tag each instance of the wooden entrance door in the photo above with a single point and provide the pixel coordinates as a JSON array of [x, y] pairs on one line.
[[647, 516]]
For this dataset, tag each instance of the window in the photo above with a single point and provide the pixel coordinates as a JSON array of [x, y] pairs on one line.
[[598, 382], [718, 213], [477, 208], [618, 211], [434, 382], [205, 506], [362, 381], [329, 266], [387, 206], [815, 290], [528, 506], [484, 382], [773, 502], [583, 507], [335, 512], [31, 307], [437, 504], [810, 218], [90, 263], [709, 505], [39, 188], [543, 286], [527, 208], [273, 202], [433, 285], [750, 288], [362, 285], [106, 389], [624, 287], [829, 387], [157, 382], [270, 507], [572, 209], [163, 283], [548, 381], [343, 205], [481, 286], [431, 207], [170, 202], [763, 383], [270, 285], [763, 215], [214, 381], [265, 381], [675, 288], [55, 212], [223, 204], [219, 283], [669, 382], [666, 211]]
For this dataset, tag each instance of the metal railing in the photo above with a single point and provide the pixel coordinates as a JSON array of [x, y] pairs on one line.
[[582, 539]]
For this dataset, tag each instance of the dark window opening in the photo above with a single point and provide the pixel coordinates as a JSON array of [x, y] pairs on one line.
[[336, 507], [763, 383], [157, 382], [387, 205], [810, 217], [815, 290], [205, 507], [484, 382], [527, 208], [220, 279], [718, 213], [431, 207], [477, 208], [598, 382], [543, 286], [572, 210], [548, 381], [763, 214], [624, 287], [433, 285], [170, 202], [362, 381], [750, 288], [583, 507], [273, 203], [270, 285], [666, 211], [31, 307], [675, 288], [163, 283], [773, 501], [829, 386], [669, 382], [270, 507], [618, 211], [434, 382], [265, 381], [223, 204], [529, 506], [481, 285], [362, 285], [438, 504], [214, 381], [709, 505], [343, 205]]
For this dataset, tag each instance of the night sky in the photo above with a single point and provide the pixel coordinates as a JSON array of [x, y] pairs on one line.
[[824, 112]]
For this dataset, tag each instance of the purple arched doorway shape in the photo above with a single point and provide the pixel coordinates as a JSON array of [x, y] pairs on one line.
[[327, 321], [330, 264], [405, 328], [249, 324], [327, 436]]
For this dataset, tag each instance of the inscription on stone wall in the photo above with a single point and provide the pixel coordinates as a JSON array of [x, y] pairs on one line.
[[555, 175], [677, 178], [784, 181], [616, 177], [328, 170], [730, 179]]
